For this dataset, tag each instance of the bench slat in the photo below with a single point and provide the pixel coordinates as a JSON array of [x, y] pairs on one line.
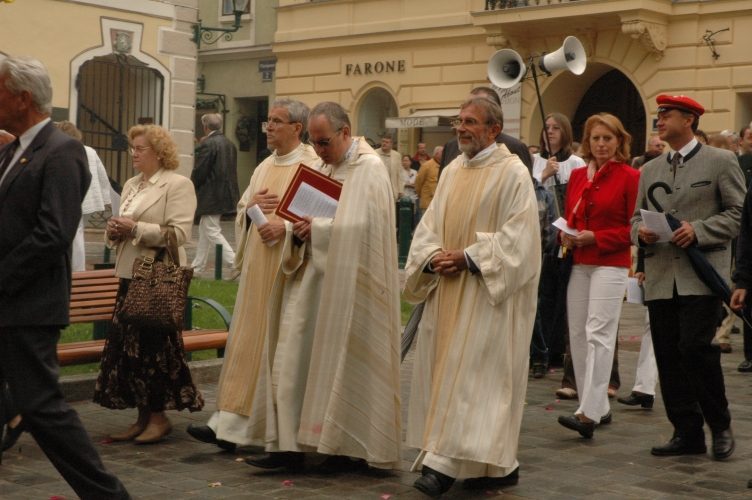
[[90, 351]]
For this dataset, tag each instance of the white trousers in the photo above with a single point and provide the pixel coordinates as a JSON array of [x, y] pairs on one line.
[[646, 375], [78, 252], [594, 299], [209, 235]]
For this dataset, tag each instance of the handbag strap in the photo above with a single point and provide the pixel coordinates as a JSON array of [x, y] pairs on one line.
[[171, 245]]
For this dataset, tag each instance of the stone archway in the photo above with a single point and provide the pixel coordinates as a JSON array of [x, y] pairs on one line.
[[375, 106], [614, 93]]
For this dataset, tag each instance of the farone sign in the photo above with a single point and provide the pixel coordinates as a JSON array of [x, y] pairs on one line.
[[375, 68]]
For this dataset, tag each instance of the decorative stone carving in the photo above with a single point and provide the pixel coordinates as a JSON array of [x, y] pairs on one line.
[[122, 41], [498, 41], [651, 35]]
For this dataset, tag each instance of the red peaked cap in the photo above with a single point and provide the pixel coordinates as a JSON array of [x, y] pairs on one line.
[[680, 102]]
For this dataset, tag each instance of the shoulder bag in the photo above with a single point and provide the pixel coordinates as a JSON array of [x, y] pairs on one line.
[[158, 291]]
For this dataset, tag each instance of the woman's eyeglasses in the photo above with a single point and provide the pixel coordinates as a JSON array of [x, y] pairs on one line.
[[137, 149]]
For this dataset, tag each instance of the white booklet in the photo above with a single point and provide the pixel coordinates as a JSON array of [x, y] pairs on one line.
[[656, 222], [561, 223], [259, 219]]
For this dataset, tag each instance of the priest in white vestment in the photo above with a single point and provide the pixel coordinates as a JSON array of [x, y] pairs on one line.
[[475, 260], [259, 256], [392, 161], [334, 377]]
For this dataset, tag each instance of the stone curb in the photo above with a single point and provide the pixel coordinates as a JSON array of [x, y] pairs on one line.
[[81, 387]]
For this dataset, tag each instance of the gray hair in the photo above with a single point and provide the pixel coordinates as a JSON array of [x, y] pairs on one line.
[[212, 121], [494, 115], [334, 113], [296, 110], [437, 149], [24, 74]]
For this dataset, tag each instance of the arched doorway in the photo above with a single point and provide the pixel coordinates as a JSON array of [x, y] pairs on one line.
[[614, 93], [115, 92], [375, 106]]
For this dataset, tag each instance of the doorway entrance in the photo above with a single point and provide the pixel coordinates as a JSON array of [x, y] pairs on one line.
[[375, 107], [614, 93]]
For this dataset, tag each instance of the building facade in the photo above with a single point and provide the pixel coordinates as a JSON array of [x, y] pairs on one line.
[[236, 77], [416, 61], [113, 63]]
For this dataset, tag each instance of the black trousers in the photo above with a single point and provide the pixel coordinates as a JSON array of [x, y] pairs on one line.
[[28, 363], [689, 366]]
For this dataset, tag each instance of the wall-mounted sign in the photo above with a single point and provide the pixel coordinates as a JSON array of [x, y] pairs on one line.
[[266, 68], [375, 68]]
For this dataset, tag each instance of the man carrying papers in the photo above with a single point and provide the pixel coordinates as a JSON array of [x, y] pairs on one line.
[[329, 379], [259, 259]]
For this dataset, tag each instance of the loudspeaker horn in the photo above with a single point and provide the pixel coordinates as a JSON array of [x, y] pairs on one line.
[[506, 68], [570, 56]]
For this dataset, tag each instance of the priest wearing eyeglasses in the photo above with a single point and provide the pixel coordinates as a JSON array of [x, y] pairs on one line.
[[475, 261], [334, 376]]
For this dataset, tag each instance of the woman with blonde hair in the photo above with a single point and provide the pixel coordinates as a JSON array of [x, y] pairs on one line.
[[599, 205], [147, 369]]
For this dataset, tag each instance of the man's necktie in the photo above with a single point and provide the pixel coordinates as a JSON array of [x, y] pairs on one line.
[[675, 161], [9, 152]]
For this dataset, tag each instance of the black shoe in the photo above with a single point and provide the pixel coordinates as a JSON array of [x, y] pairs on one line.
[[341, 464], [205, 434], [745, 366], [638, 398], [292, 460], [11, 436], [492, 483], [680, 446], [572, 422], [539, 370], [606, 419], [723, 444], [433, 483]]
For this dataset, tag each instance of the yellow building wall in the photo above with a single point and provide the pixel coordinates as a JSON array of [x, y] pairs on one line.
[[446, 45], [54, 32]]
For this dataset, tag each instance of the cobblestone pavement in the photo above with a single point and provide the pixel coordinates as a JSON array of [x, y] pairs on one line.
[[554, 462]]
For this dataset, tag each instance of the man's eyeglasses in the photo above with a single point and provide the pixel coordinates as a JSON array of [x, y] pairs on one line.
[[322, 143], [137, 149], [467, 122], [276, 122]]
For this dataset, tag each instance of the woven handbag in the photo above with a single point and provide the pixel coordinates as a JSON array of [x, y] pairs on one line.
[[158, 290]]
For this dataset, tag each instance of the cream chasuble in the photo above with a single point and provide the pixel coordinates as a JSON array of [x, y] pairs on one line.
[[260, 266], [334, 386], [473, 342]]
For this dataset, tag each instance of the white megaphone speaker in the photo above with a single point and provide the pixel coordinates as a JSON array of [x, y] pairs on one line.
[[506, 68], [571, 56]]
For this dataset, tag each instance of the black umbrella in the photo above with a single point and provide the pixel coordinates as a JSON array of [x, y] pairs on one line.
[[704, 269], [411, 328]]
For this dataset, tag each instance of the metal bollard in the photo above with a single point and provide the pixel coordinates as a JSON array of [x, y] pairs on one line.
[[405, 225], [218, 262]]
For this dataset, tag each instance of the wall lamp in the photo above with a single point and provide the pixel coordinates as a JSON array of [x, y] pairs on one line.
[[211, 35], [708, 39]]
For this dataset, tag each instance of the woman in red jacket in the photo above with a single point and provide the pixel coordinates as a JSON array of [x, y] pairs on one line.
[[599, 204]]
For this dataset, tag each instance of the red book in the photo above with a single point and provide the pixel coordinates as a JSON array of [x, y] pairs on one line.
[[310, 194]]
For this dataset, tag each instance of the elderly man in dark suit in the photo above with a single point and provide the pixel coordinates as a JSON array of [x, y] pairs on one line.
[[707, 192], [43, 178], [216, 180], [515, 146]]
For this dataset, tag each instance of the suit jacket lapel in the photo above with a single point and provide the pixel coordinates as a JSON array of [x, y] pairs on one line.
[[152, 195], [26, 158]]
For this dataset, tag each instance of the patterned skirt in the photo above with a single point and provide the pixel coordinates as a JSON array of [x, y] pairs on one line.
[[144, 369]]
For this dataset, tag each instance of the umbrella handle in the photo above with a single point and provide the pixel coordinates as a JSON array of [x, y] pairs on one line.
[[653, 187]]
